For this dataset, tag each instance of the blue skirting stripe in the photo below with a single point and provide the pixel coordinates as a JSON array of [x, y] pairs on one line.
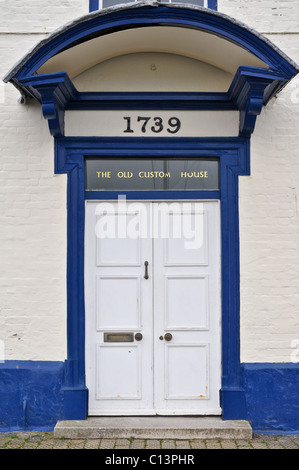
[[33, 397], [272, 397]]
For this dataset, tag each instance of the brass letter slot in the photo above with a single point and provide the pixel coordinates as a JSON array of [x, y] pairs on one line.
[[118, 337]]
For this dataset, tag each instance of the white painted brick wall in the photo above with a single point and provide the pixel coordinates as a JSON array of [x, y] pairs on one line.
[[266, 16], [32, 236], [269, 201], [269, 229], [39, 16], [33, 200]]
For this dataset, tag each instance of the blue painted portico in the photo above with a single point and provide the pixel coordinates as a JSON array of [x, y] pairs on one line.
[[258, 72]]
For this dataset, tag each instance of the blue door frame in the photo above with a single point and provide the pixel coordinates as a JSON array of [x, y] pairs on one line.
[[234, 161]]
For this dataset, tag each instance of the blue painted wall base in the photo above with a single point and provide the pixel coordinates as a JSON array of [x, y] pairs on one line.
[[272, 397], [33, 397]]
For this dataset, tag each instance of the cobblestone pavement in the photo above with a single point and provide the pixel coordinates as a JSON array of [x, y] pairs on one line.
[[35, 440]]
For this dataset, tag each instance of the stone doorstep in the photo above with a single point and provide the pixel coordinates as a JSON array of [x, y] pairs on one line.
[[156, 427]]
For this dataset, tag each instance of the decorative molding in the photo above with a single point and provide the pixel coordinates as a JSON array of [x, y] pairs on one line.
[[247, 93], [75, 391], [54, 92], [252, 88]]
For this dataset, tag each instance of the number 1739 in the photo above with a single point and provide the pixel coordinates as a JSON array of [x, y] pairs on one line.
[[153, 124]]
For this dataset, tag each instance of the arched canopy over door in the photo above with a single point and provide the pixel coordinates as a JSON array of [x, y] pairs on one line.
[[255, 69]]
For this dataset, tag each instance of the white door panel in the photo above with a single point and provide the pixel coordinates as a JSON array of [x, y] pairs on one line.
[[119, 361], [186, 371], [114, 248], [113, 293], [118, 374], [186, 305], [181, 296], [177, 289], [182, 247]]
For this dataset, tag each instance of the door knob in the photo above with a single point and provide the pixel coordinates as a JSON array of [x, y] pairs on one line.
[[138, 336], [168, 337]]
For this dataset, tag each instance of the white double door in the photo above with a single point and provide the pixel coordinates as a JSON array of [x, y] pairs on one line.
[[152, 280]]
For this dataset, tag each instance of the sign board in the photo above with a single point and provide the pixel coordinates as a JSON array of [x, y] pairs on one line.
[[160, 174], [145, 123]]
